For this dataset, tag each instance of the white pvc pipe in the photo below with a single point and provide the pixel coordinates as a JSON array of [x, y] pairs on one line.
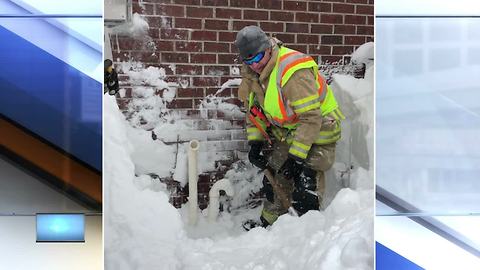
[[214, 195], [192, 181]]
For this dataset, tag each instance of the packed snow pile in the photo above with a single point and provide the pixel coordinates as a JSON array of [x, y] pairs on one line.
[[143, 231]]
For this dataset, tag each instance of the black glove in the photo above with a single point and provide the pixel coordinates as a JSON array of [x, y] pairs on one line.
[[304, 195], [291, 168], [255, 155]]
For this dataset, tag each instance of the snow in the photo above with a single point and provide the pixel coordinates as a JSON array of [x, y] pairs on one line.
[[144, 231], [138, 27], [364, 54]]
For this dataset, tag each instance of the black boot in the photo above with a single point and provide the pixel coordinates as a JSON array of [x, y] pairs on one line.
[[250, 224]]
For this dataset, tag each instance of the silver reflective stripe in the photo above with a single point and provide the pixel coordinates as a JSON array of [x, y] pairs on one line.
[[334, 134], [294, 56], [285, 63], [299, 149], [298, 107]]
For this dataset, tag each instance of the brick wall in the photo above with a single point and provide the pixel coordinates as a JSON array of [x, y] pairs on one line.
[[194, 44]]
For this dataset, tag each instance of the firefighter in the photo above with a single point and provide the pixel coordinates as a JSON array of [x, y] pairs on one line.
[[291, 111]]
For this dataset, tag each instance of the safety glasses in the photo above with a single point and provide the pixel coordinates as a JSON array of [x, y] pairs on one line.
[[257, 58]]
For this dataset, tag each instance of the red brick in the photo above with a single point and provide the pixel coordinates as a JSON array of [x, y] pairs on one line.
[[124, 43], [369, 39], [233, 49], [190, 92], [164, 45], [216, 24], [342, 50], [146, 57], [204, 35], [159, 22], [319, 49], [343, 8], [370, 20], [188, 23], [242, 3], [321, 29], [354, 19], [365, 30], [368, 10], [215, 3], [227, 36], [307, 38], [175, 57], [188, 69], [300, 48], [286, 38], [332, 40], [331, 18], [228, 13], [187, 2], [330, 59], [228, 59], [203, 58], [249, 14], [235, 101], [154, 32], [170, 10], [295, 5], [216, 70], [170, 33], [123, 103], [181, 104], [145, 8], [358, 1], [296, 27], [344, 29], [319, 7], [206, 81], [355, 40], [216, 47], [306, 17], [188, 46], [168, 68], [120, 57], [199, 12], [237, 25], [281, 16], [269, 4], [212, 91], [272, 26]]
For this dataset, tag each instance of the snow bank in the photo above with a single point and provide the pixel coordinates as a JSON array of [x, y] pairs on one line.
[[141, 227]]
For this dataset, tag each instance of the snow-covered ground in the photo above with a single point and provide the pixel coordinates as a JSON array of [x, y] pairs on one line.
[[144, 231]]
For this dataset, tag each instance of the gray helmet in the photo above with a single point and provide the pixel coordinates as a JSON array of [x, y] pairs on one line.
[[251, 40]]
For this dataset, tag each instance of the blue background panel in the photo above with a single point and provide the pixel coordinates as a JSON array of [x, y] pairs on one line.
[[60, 228], [50, 98], [387, 259]]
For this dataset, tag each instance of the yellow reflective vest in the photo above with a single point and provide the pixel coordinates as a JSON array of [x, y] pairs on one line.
[[283, 114]]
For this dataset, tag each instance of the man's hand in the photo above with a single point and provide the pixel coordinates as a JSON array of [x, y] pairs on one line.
[[291, 168], [255, 155]]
